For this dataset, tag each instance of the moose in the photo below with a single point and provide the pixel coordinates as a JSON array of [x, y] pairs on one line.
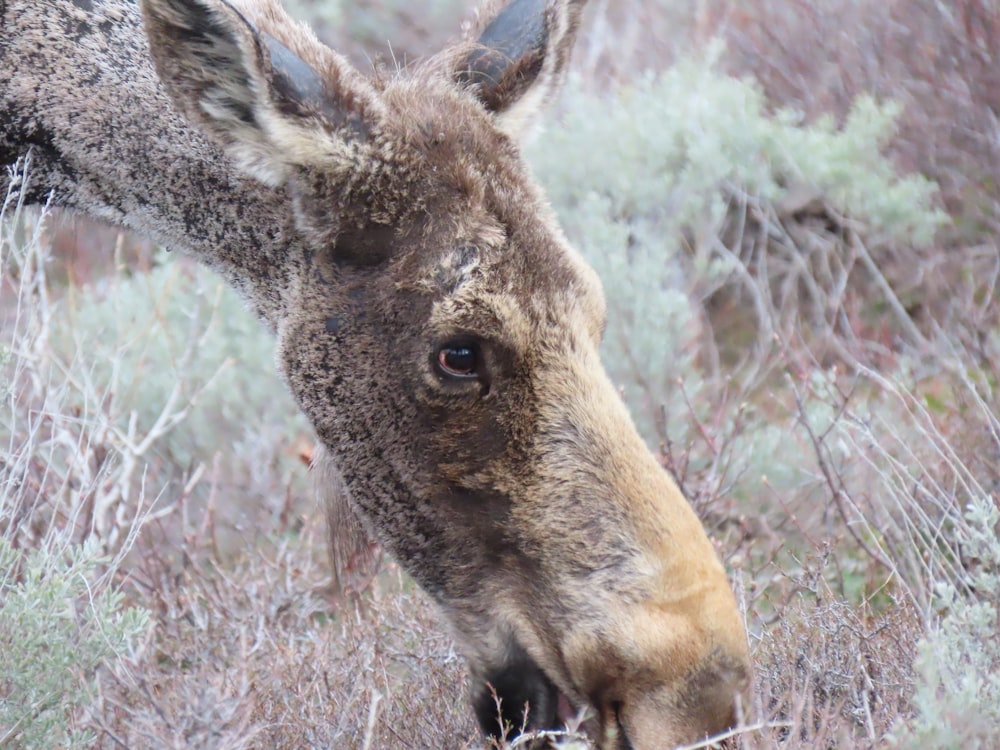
[[431, 321]]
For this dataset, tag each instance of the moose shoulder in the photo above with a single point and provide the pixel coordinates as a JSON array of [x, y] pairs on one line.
[[431, 319]]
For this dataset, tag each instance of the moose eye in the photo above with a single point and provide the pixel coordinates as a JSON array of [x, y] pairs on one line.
[[459, 360]]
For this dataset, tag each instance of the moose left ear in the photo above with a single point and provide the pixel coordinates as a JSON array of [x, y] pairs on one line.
[[270, 105], [520, 59]]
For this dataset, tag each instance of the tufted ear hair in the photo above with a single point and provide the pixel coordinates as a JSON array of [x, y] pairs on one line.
[[519, 58], [260, 85]]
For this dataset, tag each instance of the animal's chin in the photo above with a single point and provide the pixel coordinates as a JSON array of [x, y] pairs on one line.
[[520, 682]]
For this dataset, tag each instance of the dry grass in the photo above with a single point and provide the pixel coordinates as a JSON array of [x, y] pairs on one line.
[[253, 655]]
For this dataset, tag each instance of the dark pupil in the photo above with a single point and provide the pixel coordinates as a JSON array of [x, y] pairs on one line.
[[460, 360]]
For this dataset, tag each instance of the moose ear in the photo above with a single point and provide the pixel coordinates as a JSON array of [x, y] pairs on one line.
[[520, 58], [254, 93]]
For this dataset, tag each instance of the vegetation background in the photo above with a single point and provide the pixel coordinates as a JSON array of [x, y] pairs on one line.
[[794, 207]]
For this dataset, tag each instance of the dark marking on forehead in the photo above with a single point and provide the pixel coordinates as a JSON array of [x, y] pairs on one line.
[[466, 255], [370, 245]]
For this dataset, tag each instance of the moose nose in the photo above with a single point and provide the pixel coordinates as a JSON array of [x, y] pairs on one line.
[[705, 705]]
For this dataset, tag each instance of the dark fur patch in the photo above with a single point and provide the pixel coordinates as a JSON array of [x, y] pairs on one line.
[[520, 686], [368, 246]]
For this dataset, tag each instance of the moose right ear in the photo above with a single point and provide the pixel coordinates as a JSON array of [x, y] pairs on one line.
[[519, 58], [254, 94]]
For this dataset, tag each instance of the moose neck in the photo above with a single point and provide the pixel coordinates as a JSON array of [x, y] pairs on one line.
[[103, 139]]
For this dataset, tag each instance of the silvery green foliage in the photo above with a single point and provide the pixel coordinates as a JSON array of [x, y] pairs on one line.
[[181, 326], [957, 697], [60, 622], [643, 175], [62, 619], [134, 383], [323, 13]]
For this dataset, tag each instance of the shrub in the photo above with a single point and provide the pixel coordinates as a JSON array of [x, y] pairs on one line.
[[178, 337], [751, 324], [661, 185], [957, 696], [131, 385], [61, 621], [62, 615], [909, 464], [389, 32]]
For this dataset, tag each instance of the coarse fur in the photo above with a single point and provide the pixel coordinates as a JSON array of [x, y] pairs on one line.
[[431, 320]]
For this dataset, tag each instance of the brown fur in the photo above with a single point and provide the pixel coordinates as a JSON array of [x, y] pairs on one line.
[[369, 223]]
